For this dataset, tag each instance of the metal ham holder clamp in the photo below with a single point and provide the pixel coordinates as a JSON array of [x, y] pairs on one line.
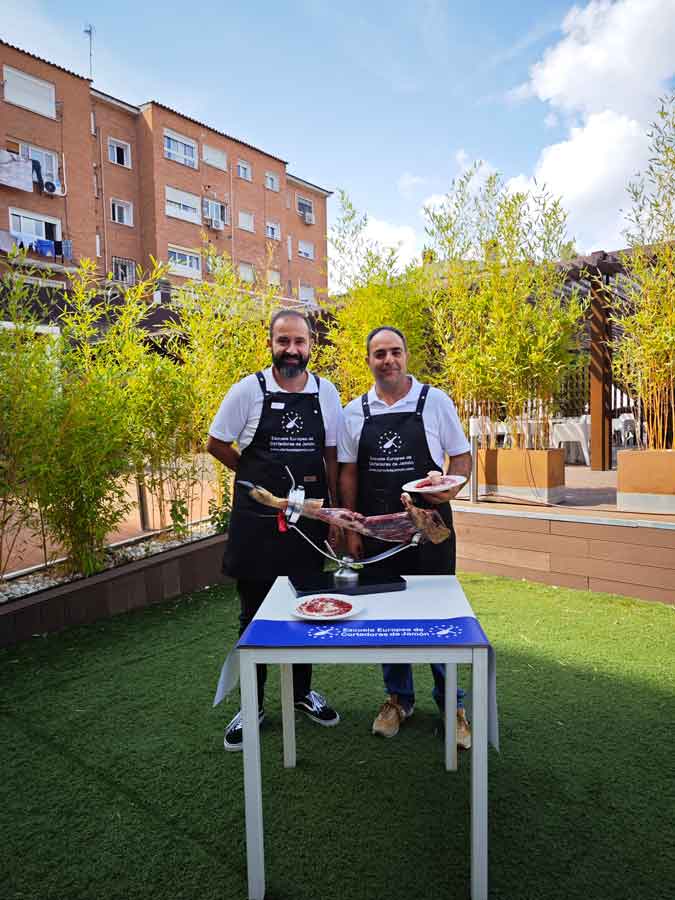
[[346, 579]]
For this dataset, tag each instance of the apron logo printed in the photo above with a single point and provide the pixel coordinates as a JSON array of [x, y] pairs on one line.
[[390, 442], [292, 422]]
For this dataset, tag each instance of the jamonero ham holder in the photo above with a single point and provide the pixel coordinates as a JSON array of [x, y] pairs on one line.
[[406, 529]]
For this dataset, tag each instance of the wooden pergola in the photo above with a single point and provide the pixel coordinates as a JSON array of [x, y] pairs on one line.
[[597, 270]]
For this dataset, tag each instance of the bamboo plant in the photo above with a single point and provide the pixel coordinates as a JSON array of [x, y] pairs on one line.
[[28, 375], [373, 290], [505, 327], [644, 314]]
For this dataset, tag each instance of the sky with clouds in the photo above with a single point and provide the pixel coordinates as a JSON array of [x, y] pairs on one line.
[[392, 101]]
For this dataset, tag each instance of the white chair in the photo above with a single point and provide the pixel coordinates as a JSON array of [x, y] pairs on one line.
[[575, 431]]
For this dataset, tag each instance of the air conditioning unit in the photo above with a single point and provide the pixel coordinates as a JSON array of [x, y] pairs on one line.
[[309, 218], [217, 224], [53, 188]]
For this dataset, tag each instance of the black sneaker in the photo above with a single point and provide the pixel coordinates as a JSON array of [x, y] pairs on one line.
[[315, 706], [234, 732]]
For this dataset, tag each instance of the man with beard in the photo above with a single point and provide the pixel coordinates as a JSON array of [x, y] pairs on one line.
[[397, 432], [284, 418]]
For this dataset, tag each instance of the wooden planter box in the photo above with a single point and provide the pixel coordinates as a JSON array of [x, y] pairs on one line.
[[646, 481], [532, 475], [130, 586]]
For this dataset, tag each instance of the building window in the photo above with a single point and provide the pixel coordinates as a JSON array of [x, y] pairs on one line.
[[215, 212], [124, 270], [246, 272], [274, 277], [119, 152], [244, 170], [122, 212], [273, 230], [98, 245], [214, 157], [31, 93], [180, 149], [92, 121], [306, 293], [246, 220], [304, 205], [271, 181], [185, 262], [48, 161], [32, 226], [181, 205], [306, 249]]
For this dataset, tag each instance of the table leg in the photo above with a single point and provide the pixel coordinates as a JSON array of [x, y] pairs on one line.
[[479, 776], [255, 848], [451, 717], [288, 715]]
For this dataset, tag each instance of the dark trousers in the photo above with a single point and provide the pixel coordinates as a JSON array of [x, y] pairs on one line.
[[251, 595]]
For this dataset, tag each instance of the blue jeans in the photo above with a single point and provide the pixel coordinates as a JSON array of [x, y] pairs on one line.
[[398, 679]]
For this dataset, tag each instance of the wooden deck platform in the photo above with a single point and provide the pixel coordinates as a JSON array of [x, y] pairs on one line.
[[584, 542]]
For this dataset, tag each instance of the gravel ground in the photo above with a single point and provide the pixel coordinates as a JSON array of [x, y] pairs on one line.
[[13, 588]]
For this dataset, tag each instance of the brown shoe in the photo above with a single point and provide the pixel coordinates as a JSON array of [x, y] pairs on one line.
[[391, 715], [463, 731]]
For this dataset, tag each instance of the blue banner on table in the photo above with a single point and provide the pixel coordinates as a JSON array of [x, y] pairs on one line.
[[464, 630]]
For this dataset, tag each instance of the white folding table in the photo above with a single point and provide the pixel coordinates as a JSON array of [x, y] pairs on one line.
[[431, 621]]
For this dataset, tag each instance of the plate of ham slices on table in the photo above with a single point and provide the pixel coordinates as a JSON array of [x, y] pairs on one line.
[[325, 609], [433, 483]]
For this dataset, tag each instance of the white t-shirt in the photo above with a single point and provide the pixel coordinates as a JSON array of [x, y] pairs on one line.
[[442, 427], [239, 413]]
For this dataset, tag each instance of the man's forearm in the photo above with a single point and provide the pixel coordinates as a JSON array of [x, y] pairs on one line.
[[460, 465], [224, 452]]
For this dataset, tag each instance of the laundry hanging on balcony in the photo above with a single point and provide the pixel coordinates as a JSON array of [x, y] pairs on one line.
[[44, 248], [16, 172]]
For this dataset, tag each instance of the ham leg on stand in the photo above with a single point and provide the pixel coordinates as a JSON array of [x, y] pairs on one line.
[[398, 528]]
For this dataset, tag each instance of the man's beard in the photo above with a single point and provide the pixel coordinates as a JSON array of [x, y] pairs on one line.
[[289, 366]]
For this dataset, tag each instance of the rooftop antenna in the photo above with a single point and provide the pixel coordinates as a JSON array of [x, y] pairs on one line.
[[89, 31]]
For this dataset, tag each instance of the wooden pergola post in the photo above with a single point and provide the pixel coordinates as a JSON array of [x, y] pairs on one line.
[[600, 377]]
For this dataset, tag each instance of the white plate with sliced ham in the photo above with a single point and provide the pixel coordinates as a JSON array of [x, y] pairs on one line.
[[433, 485], [325, 609]]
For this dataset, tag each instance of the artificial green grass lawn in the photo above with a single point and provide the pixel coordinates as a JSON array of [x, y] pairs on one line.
[[115, 783]]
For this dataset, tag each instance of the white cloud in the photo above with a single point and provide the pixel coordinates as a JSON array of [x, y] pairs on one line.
[[401, 237], [433, 201], [462, 159], [407, 183], [604, 76], [612, 55], [589, 171]]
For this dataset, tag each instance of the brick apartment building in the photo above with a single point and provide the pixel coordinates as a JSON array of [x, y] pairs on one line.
[[83, 174]]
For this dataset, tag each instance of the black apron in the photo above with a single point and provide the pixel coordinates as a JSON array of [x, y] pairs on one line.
[[290, 433], [393, 450]]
